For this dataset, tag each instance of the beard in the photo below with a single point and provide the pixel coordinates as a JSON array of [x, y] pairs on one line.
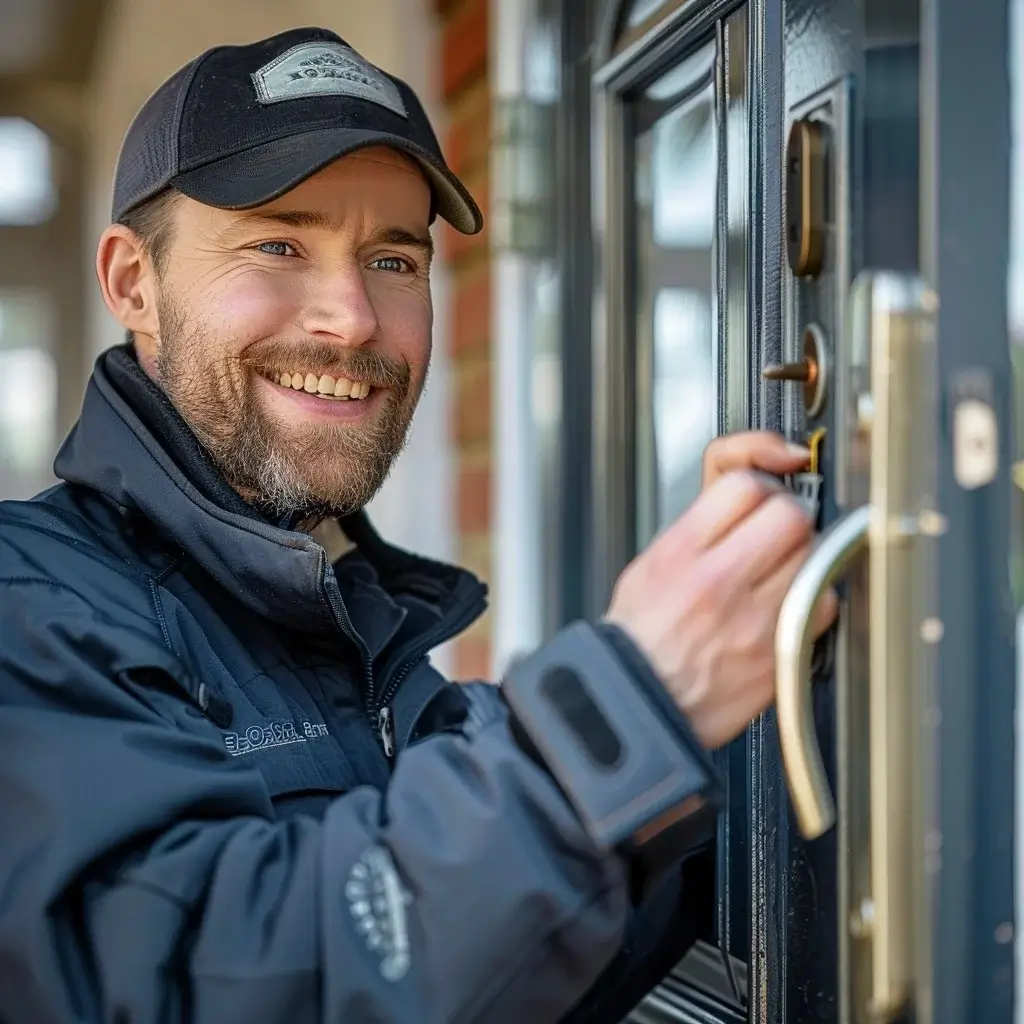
[[313, 470]]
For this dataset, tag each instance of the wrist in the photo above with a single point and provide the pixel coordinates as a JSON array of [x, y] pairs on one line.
[[590, 709]]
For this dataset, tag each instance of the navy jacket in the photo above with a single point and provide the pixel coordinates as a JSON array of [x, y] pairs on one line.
[[201, 814]]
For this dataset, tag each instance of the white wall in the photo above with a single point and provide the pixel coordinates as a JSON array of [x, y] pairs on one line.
[[144, 41]]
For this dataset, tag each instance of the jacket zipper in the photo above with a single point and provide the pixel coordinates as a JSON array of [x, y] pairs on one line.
[[386, 731], [380, 710], [345, 621]]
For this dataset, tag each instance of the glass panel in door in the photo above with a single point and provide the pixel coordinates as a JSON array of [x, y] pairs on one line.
[[676, 175], [682, 224]]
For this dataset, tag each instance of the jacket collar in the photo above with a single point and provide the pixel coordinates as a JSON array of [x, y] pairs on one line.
[[132, 446]]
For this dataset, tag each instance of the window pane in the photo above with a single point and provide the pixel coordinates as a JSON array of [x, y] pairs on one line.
[[676, 202]]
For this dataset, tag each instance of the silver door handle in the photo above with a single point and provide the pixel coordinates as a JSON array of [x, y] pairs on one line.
[[808, 784]]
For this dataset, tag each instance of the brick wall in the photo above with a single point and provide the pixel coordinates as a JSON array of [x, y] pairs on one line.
[[466, 146]]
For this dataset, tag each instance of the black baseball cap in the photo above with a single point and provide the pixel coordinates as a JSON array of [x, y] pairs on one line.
[[241, 125]]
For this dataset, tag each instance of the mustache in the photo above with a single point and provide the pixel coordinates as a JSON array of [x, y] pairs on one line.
[[374, 368]]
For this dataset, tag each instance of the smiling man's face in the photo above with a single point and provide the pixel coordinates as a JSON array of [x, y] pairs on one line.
[[294, 339]]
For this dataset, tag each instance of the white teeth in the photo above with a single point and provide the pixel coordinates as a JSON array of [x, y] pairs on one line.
[[325, 386]]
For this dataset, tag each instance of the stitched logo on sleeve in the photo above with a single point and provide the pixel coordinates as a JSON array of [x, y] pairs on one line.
[[325, 69], [378, 901]]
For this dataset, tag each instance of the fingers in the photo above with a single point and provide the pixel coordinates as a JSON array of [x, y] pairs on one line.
[[825, 612], [770, 541], [725, 504], [752, 450], [771, 592]]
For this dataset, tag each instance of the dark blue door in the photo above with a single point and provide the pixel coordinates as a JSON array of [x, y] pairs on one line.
[[819, 189]]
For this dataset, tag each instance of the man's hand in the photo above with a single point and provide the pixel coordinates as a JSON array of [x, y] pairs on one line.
[[703, 600], [753, 449]]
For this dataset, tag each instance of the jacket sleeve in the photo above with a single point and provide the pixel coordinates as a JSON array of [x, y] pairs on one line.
[[144, 877]]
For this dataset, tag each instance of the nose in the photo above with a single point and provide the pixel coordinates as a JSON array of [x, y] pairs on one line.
[[339, 306]]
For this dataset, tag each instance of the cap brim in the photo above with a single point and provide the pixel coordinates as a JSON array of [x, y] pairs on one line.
[[271, 169]]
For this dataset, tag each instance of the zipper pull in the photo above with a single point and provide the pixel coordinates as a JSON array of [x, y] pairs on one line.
[[386, 728]]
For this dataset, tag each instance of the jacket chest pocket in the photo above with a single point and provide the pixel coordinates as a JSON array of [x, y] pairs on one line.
[[294, 754], [302, 742], [291, 756]]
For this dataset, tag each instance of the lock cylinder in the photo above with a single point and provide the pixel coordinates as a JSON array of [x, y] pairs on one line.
[[811, 371]]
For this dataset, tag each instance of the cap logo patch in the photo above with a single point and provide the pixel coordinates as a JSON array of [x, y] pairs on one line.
[[325, 69]]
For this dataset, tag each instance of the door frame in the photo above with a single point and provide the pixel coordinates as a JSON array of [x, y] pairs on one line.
[[749, 296], [963, 198]]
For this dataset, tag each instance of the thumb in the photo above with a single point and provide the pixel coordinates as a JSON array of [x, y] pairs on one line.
[[825, 612]]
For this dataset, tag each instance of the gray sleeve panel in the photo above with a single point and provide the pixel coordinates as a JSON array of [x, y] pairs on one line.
[[621, 759]]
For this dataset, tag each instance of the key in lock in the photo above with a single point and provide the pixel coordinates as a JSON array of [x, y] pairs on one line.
[[812, 373], [807, 486]]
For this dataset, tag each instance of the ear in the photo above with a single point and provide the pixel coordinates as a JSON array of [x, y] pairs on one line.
[[128, 282]]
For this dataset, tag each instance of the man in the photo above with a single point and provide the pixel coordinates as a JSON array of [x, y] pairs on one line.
[[232, 787]]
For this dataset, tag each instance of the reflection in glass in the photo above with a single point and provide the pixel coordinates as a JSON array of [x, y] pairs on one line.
[[676, 201], [684, 402], [641, 10]]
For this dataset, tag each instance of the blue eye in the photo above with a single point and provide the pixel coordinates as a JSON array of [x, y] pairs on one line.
[[275, 248], [392, 264]]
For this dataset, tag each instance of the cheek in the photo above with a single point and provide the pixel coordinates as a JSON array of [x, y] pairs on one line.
[[252, 306], [405, 317]]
